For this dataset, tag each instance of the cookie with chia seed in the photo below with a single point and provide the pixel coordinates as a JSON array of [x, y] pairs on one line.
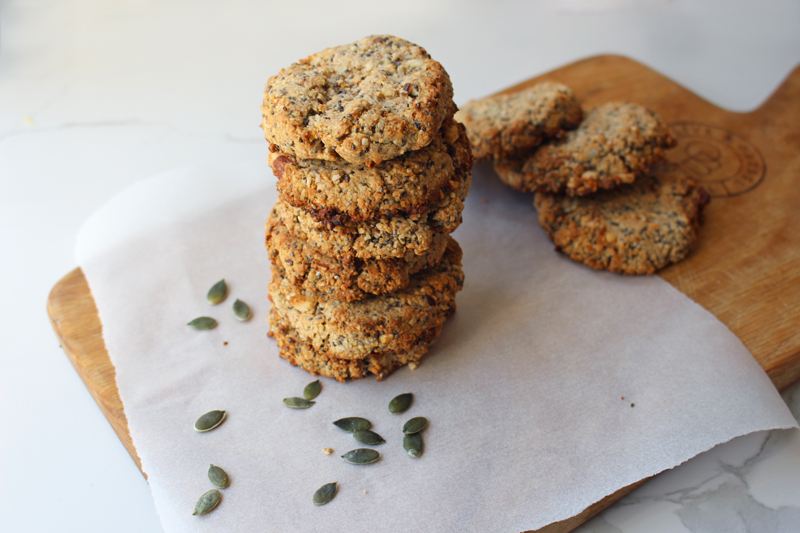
[[389, 325], [615, 143], [365, 102], [294, 349], [635, 229], [381, 238], [511, 124], [406, 185], [346, 280]]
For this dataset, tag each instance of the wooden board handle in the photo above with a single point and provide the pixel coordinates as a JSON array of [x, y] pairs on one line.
[[785, 101]]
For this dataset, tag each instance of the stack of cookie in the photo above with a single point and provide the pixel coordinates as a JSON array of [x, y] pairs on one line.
[[372, 173], [603, 194]]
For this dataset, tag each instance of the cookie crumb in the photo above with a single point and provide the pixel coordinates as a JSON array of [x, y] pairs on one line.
[[632, 404], [365, 491], [327, 451], [224, 343], [485, 201], [412, 366]]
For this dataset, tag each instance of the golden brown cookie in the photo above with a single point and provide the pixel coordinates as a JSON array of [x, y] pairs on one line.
[[300, 353], [407, 185], [365, 102], [379, 330], [614, 144], [635, 229], [347, 278], [510, 124], [381, 238]]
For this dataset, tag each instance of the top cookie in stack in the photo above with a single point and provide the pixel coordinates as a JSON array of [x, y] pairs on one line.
[[365, 102], [372, 173]]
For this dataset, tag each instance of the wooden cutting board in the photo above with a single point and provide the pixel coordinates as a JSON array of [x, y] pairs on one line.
[[745, 268]]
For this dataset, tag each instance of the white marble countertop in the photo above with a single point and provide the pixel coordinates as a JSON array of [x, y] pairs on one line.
[[94, 96]]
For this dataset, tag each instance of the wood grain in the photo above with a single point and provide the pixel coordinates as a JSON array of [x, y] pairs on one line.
[[73, 315], [745, 268]]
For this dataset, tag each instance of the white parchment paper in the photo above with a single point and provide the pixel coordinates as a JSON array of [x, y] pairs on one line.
[[551, 387]]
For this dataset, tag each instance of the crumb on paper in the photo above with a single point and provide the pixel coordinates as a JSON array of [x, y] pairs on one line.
[[412, 366], [28, 120], [224, 343], [365, 491], [327, 451], [633, 404], [485, 201]]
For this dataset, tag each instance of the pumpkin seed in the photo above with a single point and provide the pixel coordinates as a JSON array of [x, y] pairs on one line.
[[415, 425], [401, 403], [366, 436], [209, 421], [312, 390], [412, 444], [203, 322], [217, 293], [361, 456], [324, 494], [218, 477], [207, 502], [353, 424], [297, 403], [241, 310]]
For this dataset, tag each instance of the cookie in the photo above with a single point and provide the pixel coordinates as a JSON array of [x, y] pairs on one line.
[[406, 185], [382, 238], [381, 364], [365, 102], [387, 325], [511, 124], [614, 144], [354, 279], [635, 229]]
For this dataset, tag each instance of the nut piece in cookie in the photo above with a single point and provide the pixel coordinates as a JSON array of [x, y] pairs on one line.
[[365, 102], [371, 335], [511, 124], [634, 229], [615, 143], [338, 191]]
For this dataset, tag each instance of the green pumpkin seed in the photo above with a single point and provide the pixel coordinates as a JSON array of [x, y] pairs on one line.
[[412, 444], [324, 494], [401, 403], [368, 437], [207, 502], [218, 477], [353, 424], [203, 322], [361, 456], [217, 293], [415, 425], [312, 390], [241, 310], [297, 403], [209, 421]]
